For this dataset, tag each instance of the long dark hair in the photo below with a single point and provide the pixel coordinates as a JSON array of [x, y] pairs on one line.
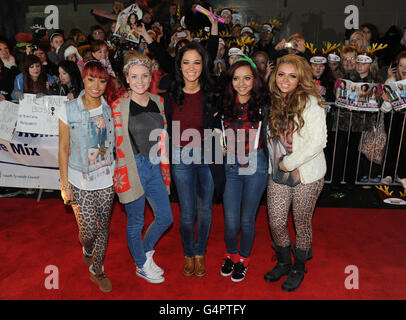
[[72, 69], [28, 81], [205, 80], [258, 93]]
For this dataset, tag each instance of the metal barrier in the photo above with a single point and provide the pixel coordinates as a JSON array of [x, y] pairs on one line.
[[368, 171]]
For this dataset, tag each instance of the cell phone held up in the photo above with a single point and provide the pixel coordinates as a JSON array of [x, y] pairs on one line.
[[181, 34]]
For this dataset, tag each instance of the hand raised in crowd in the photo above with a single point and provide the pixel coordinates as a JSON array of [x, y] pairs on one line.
[[270, 66], [281, 45], [28, 50], [19, 94], [211, 17], [299, 45], [214, 22], [385, 97], [392, 71], [144, 33]]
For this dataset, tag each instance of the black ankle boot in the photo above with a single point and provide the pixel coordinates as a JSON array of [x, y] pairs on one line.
[[284, 263], [296, 273]]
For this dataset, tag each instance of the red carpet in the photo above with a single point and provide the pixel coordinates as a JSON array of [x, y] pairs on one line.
[[34, 235]]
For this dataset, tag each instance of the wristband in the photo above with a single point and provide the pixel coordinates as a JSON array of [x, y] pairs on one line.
[[65, 187]]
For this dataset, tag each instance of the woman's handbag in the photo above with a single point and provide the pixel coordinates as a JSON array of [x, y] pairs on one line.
[[373, 142]]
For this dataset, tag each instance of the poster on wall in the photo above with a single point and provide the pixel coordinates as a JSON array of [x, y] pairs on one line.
[[358, 96], [127, 22]]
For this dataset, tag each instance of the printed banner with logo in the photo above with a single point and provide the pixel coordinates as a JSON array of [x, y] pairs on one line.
[[359, 96], [396, 93], [29, 160]]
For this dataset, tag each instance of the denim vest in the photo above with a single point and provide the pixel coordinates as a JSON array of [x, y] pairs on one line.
[[81, 137]]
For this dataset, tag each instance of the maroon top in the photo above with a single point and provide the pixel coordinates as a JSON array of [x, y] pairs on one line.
[[190, 116]]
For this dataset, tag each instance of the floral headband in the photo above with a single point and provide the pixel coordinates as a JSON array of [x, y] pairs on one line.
[[140, 61]]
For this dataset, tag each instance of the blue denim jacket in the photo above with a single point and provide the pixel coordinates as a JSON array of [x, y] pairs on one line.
[[81, 137]]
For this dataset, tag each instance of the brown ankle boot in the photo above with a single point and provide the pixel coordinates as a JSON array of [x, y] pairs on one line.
[[100, 279], [200, 266], [87, 258], [189, 267]]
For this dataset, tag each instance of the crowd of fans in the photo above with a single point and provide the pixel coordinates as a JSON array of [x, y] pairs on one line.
[[46, 63]]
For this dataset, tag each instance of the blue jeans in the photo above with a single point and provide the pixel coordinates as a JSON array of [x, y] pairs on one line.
[[156, 194], [241, 199], [195, 187]]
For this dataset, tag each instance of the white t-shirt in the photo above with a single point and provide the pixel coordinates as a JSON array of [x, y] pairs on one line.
[[101, 167]]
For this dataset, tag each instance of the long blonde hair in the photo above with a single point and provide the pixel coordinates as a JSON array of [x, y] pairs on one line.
[[285, 109]]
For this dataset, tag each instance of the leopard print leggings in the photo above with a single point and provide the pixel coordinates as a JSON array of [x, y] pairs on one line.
[[92, 210], [303, 198]]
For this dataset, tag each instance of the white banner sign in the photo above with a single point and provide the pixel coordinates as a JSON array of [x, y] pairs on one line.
[[39, 115], [29, 161], [28, 177], [8, 119]]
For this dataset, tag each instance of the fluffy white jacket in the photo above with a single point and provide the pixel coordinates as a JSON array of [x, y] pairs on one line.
[[307, 146]]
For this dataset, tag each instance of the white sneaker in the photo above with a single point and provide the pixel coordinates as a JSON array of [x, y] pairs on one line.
[[150, 262], [387, 180], [149, 275]]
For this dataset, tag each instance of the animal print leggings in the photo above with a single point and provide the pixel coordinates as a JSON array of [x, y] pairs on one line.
[[303, 198], [92, 210]]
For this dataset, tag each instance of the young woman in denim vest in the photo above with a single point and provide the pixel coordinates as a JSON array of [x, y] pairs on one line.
[[246, 172], [297, 137], [86, 165]]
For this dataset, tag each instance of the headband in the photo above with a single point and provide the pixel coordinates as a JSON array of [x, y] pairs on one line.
[[333, 57], [235, 52], [246, 29], [318, 60], [139, 61], [267, 27], [225, 11], [362, 58], [249, 60], [54, 35]]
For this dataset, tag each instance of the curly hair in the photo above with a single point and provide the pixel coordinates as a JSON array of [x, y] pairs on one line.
[[286, 110], [207, 84], [257, 93]]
